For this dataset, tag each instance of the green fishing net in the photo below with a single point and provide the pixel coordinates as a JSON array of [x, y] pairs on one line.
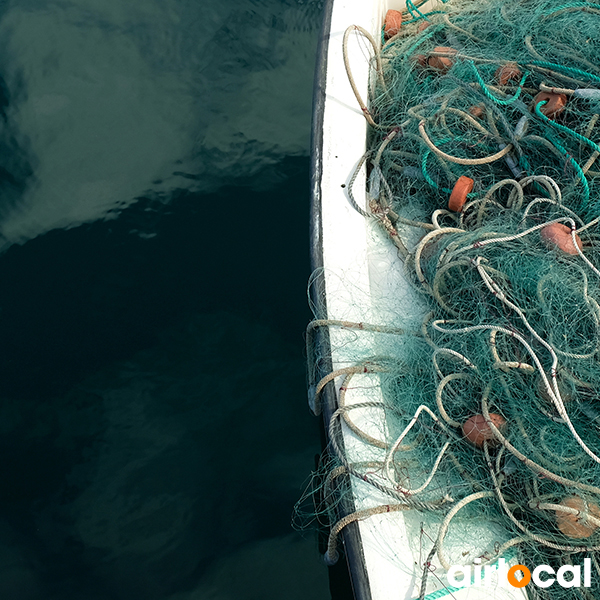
[[482, 169]]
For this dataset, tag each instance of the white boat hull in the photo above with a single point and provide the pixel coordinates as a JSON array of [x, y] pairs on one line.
[[358, 266]]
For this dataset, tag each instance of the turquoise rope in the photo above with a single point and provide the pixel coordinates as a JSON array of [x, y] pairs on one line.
[[576, 166], [430, 181], [560, 68], [578, 169], [433, 12], [567, 130], [525, 164], [431, 31], [410, 6], [487, 92]]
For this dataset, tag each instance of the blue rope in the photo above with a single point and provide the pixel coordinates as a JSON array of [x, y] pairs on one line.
[[425, 15], [430, 181], [431, 31], [410, 6], [578, 169], [560, 68], [567, 130], [487, 92]]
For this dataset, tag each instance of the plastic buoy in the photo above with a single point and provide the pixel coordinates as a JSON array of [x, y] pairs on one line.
[[423, 25], [458, 197], [477, 430], [576, 526], [508, 72], [441, 63], [554, 106], [558, 236], [476, 111], [393, 21], [421, 59]]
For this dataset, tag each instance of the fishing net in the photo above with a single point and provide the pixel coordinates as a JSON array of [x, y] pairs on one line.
[[482, 172]]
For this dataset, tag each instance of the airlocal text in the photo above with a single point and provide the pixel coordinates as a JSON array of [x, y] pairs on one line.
[[518, 576]]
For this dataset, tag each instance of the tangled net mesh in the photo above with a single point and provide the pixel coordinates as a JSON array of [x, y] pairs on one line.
[[483, 116]]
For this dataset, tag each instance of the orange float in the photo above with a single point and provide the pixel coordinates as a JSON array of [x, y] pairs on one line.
[[558, 236], [441, 63], [555, 103], [575, 526], [508, 72], [393, 21], [458, 197], [476, 429], [421, 59], [476, 111]]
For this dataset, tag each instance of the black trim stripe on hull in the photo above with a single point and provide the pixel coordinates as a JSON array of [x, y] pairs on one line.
[[351, 534]]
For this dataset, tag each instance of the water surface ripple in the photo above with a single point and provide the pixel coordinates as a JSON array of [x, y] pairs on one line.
[[153, 262]]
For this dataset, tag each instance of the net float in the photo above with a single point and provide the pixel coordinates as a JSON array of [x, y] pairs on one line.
[[508, 72], [461, 189], [361, 271], [441, 63], [476, 429], [554, 103], [577, 526], [558, 236], [421, 59], [393, 21], [476, 111]]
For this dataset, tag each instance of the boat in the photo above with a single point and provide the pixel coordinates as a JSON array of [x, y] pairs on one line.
[[389, 551]]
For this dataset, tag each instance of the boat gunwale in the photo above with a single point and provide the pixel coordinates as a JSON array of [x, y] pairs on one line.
[[353, 545]]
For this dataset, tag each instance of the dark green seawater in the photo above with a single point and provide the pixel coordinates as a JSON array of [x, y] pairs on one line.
[[154, 200]]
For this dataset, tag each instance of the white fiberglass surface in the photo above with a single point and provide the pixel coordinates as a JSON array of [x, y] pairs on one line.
[[365, 283]]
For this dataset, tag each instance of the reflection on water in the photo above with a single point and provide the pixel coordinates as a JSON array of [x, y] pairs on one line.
[[111, 100], [153, 420]]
